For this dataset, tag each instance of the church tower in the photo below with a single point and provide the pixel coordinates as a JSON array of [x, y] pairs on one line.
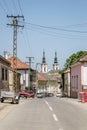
[[55, 65], [44, 65]]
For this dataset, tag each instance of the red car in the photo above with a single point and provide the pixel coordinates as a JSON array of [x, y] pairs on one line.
[[26, 94]]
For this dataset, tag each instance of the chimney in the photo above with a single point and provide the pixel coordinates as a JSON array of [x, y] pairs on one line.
[[6, 54]]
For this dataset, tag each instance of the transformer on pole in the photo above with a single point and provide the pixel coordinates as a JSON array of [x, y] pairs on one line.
[[15, 27]]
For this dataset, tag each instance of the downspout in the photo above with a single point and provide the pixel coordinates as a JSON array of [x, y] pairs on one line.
[[70, 82]]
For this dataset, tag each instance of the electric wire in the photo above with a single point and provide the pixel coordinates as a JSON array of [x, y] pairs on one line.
[[6, 6], [57, 35], [20, 7], [2, 7], [15, 7], [60, 29]]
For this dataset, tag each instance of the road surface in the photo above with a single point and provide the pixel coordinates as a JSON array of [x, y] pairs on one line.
[[44, 114]]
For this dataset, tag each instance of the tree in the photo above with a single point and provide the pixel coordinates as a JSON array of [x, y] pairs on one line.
[[73, 58]]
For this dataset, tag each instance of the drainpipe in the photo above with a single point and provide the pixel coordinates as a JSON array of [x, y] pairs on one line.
[[70, 82]]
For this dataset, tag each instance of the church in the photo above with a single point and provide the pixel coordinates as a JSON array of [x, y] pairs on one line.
[[49, 81]]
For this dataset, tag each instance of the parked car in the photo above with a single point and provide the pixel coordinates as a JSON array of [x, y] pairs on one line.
[[31, 94], [59, 94], [26, 94], [14, 97], [40, 95], [50, 94]]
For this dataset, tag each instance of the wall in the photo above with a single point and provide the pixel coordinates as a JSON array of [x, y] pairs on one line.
[[84, 76], [76, 80], [24, 78]]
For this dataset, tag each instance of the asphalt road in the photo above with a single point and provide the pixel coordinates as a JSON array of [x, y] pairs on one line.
[[44, 114]]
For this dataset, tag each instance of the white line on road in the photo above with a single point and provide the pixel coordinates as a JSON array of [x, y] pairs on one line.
[[46, 102], [50, 108], [55, 117], [49, 105]]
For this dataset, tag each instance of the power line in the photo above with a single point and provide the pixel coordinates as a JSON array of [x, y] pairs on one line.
[[55, 34], [20, 7], [6, 5], [15, 7], [2, 7], [60, 29]]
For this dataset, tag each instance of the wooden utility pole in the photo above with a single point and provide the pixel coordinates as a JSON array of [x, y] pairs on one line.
[[15, 27]]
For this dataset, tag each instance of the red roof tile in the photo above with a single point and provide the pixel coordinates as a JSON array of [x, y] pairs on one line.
[[41, 78], [20, 64]]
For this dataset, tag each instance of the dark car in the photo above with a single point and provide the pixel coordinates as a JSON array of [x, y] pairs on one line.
[[50, 94], [31, 94]]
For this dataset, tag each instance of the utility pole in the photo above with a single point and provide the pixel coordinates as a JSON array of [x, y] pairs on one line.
[[30, 60], [37, 89], [15, 27], [29, 73]]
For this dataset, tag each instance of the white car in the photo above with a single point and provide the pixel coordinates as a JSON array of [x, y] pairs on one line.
[[59, 94], [40, 95]]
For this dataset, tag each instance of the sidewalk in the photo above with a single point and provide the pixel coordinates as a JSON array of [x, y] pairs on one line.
[[75, 102], [3, 105]]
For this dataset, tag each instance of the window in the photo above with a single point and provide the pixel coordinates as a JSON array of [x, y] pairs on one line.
[[4, 74]]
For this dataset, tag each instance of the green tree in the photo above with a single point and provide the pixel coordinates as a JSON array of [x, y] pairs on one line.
[[73, 58]]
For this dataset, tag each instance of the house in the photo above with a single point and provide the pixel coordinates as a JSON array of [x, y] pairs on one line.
[[47, 83], [24, 71], [78, 76], [4, 73]]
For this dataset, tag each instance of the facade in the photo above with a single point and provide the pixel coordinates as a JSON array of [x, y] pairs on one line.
[[79, 76], [47, 83], [4, 73], [11, 82]]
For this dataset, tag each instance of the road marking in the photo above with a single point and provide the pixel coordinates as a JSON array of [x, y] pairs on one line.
[[46, 102], [55, 117], [50, 108], [49, 105]]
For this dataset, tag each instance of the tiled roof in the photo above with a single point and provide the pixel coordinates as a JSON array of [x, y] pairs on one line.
[[20, 64], [84, 58], [41, 78], [46, 77], [5, 61]]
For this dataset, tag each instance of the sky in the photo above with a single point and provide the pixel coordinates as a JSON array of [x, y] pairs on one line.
[[49, 25]]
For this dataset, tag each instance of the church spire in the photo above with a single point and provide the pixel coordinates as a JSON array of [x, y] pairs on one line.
[[55, 59], [55, 65], [43, 59], [43, 65]]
